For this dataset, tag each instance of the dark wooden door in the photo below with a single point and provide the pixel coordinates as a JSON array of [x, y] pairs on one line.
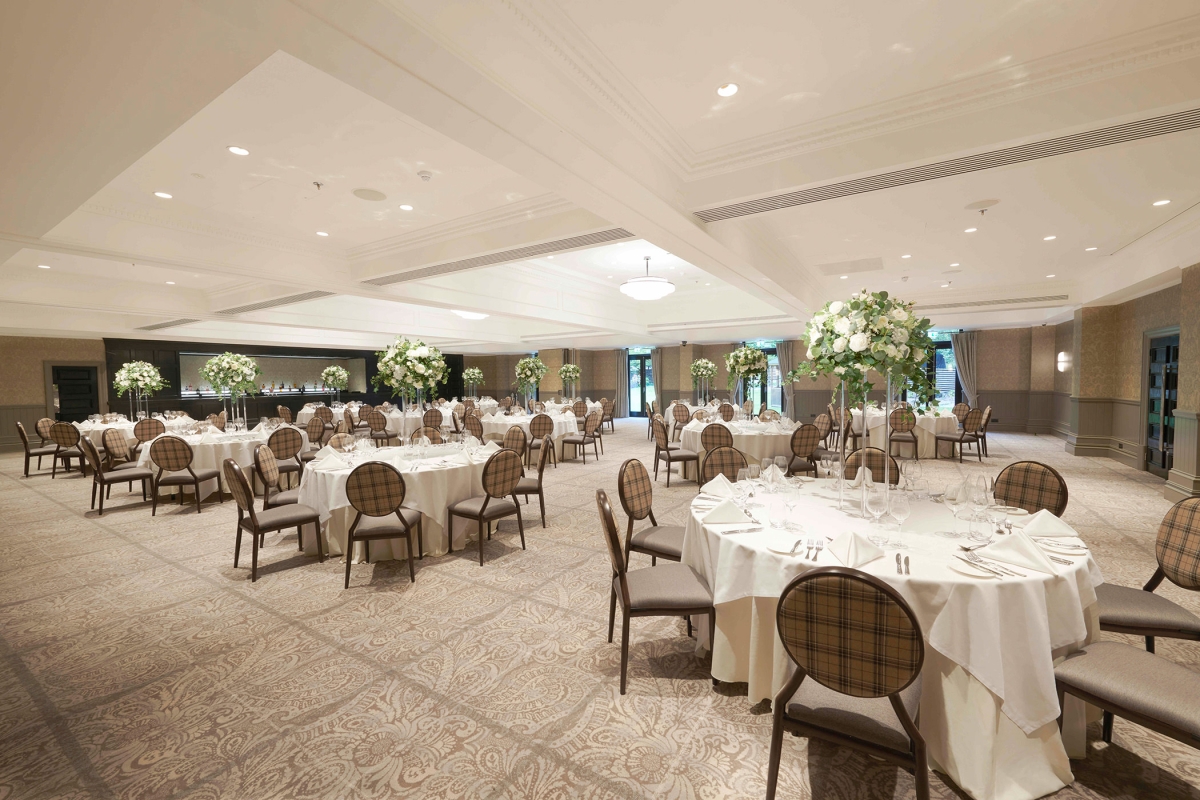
[[78, 393], [1161, 395]]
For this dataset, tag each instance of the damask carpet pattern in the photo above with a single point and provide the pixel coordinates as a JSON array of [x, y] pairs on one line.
[[136, 662]]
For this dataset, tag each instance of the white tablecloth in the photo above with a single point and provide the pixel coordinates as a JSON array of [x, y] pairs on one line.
[[404, 424], [212, 454], [432, 485], [95, 431], [755, 440], [928, 427], [988, 709], [494, 428], [558, 408], [339, 414]]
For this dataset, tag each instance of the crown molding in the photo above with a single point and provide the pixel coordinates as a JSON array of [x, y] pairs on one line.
[[564, 44]]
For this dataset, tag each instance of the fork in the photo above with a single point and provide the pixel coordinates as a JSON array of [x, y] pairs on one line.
[[973, 556], [819, 546]]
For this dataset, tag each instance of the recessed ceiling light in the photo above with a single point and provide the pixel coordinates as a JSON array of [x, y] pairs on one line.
[[170, 283], [238, 151], [727, 90], [322, 233], [1161, 202], [406, 207], [610, 276], [708, 284], [549, 256], [906, 256], [1089, 249], [970, 230], [945, 285], [163, 195], [1050, 275], [43, 266], [955, 264], [469, 314], [844, 277], [1049, 238]]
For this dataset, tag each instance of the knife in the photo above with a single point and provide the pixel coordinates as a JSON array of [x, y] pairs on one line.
[[979, 566], [899, 570], [906, 572]]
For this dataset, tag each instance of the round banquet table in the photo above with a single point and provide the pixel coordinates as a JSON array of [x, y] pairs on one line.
[[988, 707], [494, 428], [928, 427], [307, 413], [432, 484], [558, 408], [403, 424], [95, 431], [755, 440], [209, 451]]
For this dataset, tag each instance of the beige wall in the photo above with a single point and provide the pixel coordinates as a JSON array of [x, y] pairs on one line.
[[1110, 363], [1042, 358], [1064, 342], [22, 377], [1004, 359], [1189, 341], [553, 359]]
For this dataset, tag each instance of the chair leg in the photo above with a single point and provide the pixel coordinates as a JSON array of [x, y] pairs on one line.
[[520, 526], [481, 542], [542, 505], [1149, 644], [237, 546], [776, 753], [921, 770], [27, 457], [153, 498], [412, 567], [254, 557], [668, 472], [624, 646], [612, 611], [54, 468], [320, 544], [420, 537], [102, 488], [196, 489], [349, 552], [1106, 726]]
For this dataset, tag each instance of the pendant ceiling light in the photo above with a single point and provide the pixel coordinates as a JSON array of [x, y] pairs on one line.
[[647, 287]]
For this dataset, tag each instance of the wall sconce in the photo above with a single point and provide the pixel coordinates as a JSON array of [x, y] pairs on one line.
[[1064, 361]]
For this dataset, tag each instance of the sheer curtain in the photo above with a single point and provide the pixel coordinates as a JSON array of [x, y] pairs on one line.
[[656, 357], [621, 398], [963, 345], [784, 351]]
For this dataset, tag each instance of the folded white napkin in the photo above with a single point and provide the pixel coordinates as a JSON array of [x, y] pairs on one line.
[[209, 436], [1020, 551], [695, 425], [773, 474], [324, 452], [863, 474], [720, 486], [330, 462], [1043, 523], [854, 549], [491, 447], [725, 512]]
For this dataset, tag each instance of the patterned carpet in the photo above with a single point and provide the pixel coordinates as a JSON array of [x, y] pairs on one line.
[[135, 662]]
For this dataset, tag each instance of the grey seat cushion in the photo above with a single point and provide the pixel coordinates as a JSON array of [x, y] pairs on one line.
[[498, 507], [665, 539], [527, 485], [1134, 608], [578, 438], [288, 516], [307, 455], [869, 718], [70, 452], [123, 475], [666, 586], [284, 498], [388, 527], [680, 455], [802, 465], [126, 465], [1136, 680], [42, 451], [184, 479]]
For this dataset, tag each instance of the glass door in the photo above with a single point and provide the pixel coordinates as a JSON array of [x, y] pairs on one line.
[[769, 391], [641, 384], [1161, 395]]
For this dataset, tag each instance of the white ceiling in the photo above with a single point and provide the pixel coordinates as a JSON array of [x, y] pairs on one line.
[[542, 121]]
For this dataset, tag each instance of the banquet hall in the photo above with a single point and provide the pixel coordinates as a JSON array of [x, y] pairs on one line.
[[543, 399]]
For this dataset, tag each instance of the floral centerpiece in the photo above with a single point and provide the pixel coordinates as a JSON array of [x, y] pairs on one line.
[[140, 379], [231, 373], [530, 371], [745, 365], [473, 379], [410, 367], [335, 377], [570, 378], [703, 371]]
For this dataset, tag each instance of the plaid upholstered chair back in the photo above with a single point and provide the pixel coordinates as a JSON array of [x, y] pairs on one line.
[[460, 409], [217, 421], [612, 540], [115, 445], [805, 440], [284, 413], [987, 417], [501, 473], [649, 411], [579, 409], [748, 407], [42, 428], [376, 421], [432, 434], [727, 411], [538, 407], [375, 489], [660, 433], [592, 423], [348, 418], [64, 434], [474, 426], [722, 461], [824, 424], [285, 443], [1032, 486], [635, 489], [340, 441], [769, 415], [316, 430], [514, 439], [506, 402], [324, 413], [873, 459], [25, 437], [93, 457], [432, 418], [973, 421], [681, 414], [147, 429], [960, 410], [267, 465], [850, 632], [903, 420], [1178, 544], [699, 414], [714, 436], [171, 454], [364, 409], [235, 479], [541, 426], [544, 454], [606, 406]]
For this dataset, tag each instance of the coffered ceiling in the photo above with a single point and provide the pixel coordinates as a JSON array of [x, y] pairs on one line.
[[564, 141]]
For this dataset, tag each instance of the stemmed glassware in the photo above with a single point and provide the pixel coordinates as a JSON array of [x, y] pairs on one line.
[[877, 503], [900, 509]]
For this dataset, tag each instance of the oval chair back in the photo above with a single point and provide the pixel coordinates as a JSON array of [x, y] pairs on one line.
[[727, 411], [116, 447], [147, 429], [902, 420], [473, 426], [284, 413], [433, 418], [1032, 486], [721, 461], [171, 454], [681, 414], [1178, 544], [541, 426], [960, 411], [267, 467], [514, 439], [316, 430], [714, 436], [973, 421], [340, 441], [376, 421], [824, 424], [286, 443], [873, 459], [325, 414], [64, 435], [592, 423], [805, 440], [42, 428], [579, 409], [432, 434], [501, 473], [636, 492]]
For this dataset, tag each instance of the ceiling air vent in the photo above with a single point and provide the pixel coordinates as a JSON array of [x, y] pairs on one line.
[[516, 254], [276, 303], [1087, 140], [718, 323], [1012, 301], [158, 326]]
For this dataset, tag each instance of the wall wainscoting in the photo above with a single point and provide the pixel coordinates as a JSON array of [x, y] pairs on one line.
[[1184, 478], [1108, 427], [27, 415]]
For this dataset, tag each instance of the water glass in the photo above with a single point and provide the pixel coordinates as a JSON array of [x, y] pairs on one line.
[[825, 463], [921, 490], [754, 471], [743, 474], [782, 463], [877, 503], [900, 509]]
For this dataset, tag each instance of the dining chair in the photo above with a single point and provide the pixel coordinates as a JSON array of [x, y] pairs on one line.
[[855, 642], [873, 459], [579, 409], [147, 430], [670, 445], [769, 415], [66, 446], [530, 485], [316, 438], [432, 434], [714, 436], [514, 439], [636, 493], [727, 412], [433, 419], [474, 426], [325, 414], [721, 461], [681, 417], [540, 427], [804, 443], [967, 434], [1033, 486], [606, 418], [586, 437], [376, 489], [284, 413], [377, 423], [34, 452], [649, 412], [259, 523], [42, 429], [341, 440], [983, 428], [117, 455], [672, 590], [285, 442], [960, 411], [102, 480], [172, 454], [664, 453], [266, 466], [824, 424], [903, 423], [835, 426], [501, 474]]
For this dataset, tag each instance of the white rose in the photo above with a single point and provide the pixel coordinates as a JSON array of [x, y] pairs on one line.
[[836, 307], [859, 342], [899, 314], [839, 370], [892, 351], [810, 354], [842, 326], [899, 336], [918, 354], [816, 337], [839, 345]]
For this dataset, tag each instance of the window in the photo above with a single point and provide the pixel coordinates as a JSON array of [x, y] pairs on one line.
[[943, 372]]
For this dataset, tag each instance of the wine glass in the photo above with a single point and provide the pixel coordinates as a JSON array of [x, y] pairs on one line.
[[825, 463], [754, 471], [782, 463], [977, 495], [877, 503], [900, 509]]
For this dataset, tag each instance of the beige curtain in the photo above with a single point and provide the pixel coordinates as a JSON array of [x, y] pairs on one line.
[[785, 350], [656, 356], [621, 398], [963, 345]]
